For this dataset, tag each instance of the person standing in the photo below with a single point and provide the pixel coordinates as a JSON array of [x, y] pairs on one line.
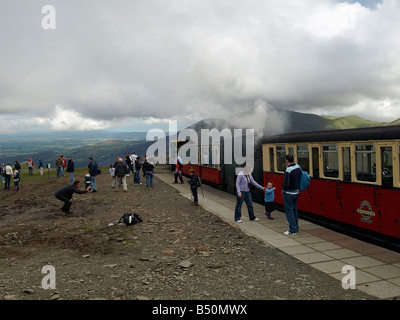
[[93, 171], [30, 165], [59, 165], [71, 169], [269, 200], [16, 180], [40, 166], [7, 176], [243, 181], [138, 165], [290, 190], [148, 169], [178, 169], [111, 171], [120, 174], [2, 172], [17, 165], [64, 165]]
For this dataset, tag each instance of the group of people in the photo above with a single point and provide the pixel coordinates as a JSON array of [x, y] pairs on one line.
[[290, 191], [63, 165], [7, 172], [131, 162], [121, 169]]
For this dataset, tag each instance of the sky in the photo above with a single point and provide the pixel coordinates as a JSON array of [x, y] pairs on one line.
[[132, 65]]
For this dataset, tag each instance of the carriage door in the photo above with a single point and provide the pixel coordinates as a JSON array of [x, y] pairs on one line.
[[315, 162], [387, 166]]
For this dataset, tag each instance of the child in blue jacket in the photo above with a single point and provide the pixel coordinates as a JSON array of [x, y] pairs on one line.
[[269, 200]]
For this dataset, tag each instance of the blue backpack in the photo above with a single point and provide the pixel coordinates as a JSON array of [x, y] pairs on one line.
[[304, 180]]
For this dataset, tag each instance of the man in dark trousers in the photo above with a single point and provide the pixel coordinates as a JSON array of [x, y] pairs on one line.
[[290, 190], [65, 195]]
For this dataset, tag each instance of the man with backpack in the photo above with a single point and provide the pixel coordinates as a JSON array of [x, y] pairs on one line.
[[290, 190]]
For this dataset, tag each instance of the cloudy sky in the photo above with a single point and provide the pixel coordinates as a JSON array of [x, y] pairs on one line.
[[135, 64]]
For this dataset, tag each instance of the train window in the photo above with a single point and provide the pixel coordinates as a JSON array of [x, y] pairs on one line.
[[346, 164], [315, 162], [210, 156], [281, 158], [271, 159], [387, 166], [330, 160], [303, 158], [366, 162]]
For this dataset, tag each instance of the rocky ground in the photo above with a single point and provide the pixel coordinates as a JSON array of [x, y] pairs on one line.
[[178, 252]]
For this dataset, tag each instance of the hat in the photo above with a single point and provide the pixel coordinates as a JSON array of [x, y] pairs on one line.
[[192, 170]]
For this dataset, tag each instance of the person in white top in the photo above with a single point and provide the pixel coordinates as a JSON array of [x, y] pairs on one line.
[[7, 177]]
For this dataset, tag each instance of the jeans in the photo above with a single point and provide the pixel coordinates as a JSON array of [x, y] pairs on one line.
[[149, 178], [246, 197], [59, 168], [292, 215], [7, 179], [136, 177], [93, 183], [71, 176]]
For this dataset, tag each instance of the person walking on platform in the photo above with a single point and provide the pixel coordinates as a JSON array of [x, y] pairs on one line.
[[243, 181], [290, 190]]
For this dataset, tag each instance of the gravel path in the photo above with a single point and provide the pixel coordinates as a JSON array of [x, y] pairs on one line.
[[178, 252]]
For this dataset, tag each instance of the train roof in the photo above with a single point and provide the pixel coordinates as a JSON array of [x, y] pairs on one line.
[[359, 134]]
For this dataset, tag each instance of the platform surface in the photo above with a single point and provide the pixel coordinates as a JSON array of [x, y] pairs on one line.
[[377, 269]]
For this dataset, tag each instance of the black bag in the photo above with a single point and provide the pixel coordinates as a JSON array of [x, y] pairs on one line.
[[131, 218]]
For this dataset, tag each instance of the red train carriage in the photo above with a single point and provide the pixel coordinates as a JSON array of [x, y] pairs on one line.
[[204, 160], [355, 176]]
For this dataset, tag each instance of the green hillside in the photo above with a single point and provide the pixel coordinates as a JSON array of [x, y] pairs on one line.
[[348, 122]]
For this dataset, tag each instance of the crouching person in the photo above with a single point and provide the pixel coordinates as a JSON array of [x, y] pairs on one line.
[[65, 195]]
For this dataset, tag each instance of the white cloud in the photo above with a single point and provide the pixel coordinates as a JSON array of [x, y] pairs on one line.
[[108, 62], [62, 119]]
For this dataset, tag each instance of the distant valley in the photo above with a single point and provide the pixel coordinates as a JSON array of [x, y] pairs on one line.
[[105, 146]]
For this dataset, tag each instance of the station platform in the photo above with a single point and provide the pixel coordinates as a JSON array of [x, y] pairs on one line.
[[377, 268]]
